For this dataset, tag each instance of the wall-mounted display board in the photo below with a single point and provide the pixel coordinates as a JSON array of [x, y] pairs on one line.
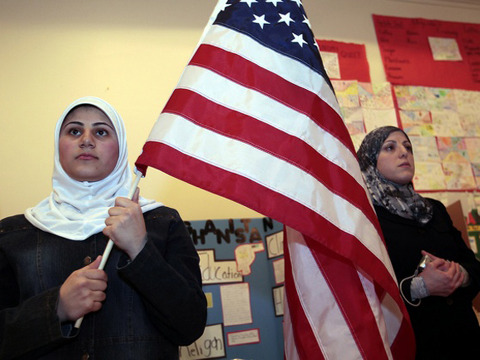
[[344, 61], [241, 262], [429, 53], [442, 124]]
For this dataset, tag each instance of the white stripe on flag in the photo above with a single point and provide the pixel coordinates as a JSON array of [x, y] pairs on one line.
[[289, 69], [271, 112], [392, 317], [290, 349], [376, 307], [328, 324], [248, 161]]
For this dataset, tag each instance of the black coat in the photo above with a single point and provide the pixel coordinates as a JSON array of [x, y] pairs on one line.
[[154, 303], [445, 327]]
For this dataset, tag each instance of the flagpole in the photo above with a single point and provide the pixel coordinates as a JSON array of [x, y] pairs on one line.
[[110, 243]]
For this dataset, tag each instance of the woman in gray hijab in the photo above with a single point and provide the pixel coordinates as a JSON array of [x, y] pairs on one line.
[[438, 274]]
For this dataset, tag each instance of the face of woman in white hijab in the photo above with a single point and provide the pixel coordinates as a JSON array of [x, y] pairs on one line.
[[88, 144]]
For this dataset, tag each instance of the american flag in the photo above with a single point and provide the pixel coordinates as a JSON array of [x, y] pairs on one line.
[[254, 119]]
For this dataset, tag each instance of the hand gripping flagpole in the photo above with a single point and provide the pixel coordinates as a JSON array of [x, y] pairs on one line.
[[110, 243]]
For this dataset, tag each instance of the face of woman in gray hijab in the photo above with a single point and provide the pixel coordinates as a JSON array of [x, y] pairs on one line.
[[395, 159], [388, 150], [386, 160]]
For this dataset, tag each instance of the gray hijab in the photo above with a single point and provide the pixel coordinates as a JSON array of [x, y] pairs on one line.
[[401, 200]]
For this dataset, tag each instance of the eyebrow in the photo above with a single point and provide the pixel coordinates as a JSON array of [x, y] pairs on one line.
[[99, 123], [395, 141]]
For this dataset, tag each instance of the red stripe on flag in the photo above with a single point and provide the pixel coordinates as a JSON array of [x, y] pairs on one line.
[[339, 271], [239, 126], [279, 207], [404, 336], [250, 75], [305, 340]]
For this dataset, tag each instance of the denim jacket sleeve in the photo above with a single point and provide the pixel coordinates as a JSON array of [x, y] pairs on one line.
[[28, 326], [166, 273]]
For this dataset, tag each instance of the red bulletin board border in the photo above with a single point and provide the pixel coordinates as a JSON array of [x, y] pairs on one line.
[[352, 59], [408, 59]]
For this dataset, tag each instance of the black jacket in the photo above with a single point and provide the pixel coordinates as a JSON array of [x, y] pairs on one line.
[[154, 303], [445, 327]]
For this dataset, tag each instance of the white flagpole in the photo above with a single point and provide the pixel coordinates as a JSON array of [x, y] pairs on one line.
[[108, 249]]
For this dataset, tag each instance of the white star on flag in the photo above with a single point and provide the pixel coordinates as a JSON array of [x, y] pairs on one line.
[[274, 2], [249, 2], [285, 18], [260, 20], [306, 21], [298, 39], [224, 6]]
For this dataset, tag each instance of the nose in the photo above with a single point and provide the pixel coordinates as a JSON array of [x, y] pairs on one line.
[[87, 140], [403, 151]]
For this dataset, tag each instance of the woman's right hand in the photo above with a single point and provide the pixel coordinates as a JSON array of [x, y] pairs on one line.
[[441, 277], [82, 292]]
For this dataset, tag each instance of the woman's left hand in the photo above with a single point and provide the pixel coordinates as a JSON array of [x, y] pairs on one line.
[[442, 277], [126, 226]]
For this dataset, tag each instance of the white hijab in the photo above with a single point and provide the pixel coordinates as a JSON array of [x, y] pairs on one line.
[[76, 210]]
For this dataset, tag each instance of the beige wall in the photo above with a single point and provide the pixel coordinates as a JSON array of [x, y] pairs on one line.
[[131, 53]]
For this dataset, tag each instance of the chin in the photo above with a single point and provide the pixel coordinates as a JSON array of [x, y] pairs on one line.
[[404, 181], [88, 178]]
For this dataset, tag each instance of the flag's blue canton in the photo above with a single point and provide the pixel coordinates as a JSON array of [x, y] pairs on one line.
[[280, 25]]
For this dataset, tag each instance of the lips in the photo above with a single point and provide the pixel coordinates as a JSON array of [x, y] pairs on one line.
[[86, 157]]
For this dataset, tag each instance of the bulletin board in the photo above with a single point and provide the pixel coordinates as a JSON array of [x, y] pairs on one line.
[[429, 53], [442, 123], [241, 262], [344, 61]]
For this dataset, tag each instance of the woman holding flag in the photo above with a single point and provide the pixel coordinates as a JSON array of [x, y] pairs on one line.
[[144, 303], [438, 275]]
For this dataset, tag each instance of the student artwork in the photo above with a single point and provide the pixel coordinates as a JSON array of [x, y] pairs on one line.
[[411, 97], [241, 263], [375, 118], [476, 173], [429, 176], [444, 49], [425, 148], [364, 107], [452, 149], [245, 256], [459, 176], [451, 118], [440, 99], [331, 64], [446, 123], [375, 96], [377, 105], [417, 122], [347, 93], [473, 149]]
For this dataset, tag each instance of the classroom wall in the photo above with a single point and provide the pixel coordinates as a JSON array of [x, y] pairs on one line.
[[131, 53]]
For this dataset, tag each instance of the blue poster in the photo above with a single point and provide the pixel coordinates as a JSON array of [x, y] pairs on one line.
[[241, 262]]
